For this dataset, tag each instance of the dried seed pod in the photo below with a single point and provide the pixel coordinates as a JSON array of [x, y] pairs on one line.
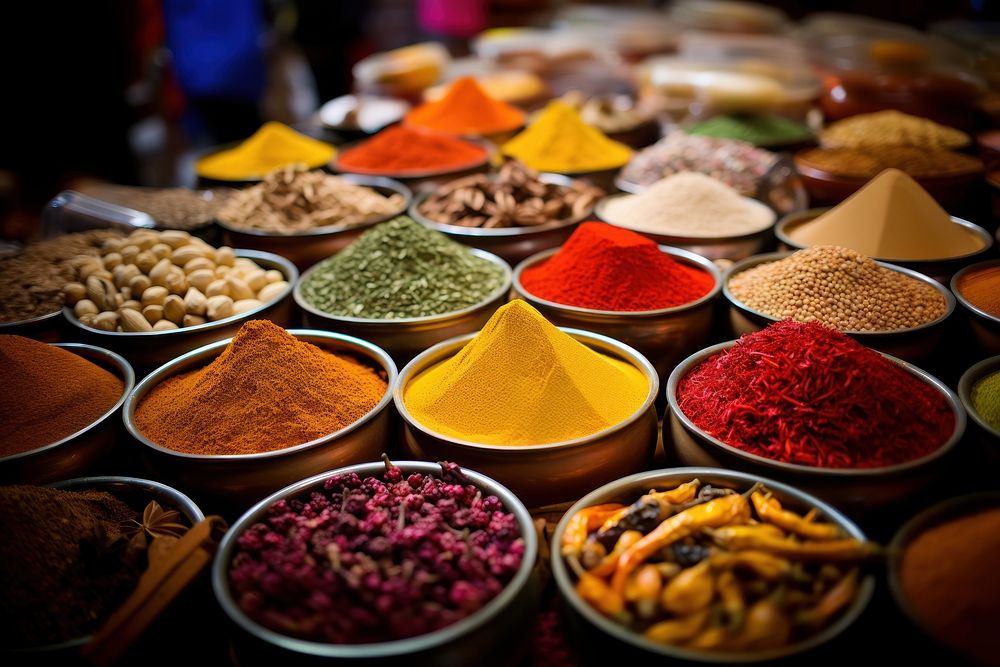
[[271, 291], [165, 325], [85, 306], [199, 263], [133, 320], [225, 256], [155, 295], [161, 250], [193, 320], [107, 321], [186, 253], [153, 313], [255, 280], [176, 281], [245, 305], [112, 245], [102, 292], [88, 267], [218, 307], [195, 302], [131, 304], [123, 273], [174, 309], [158, 274], [238, 289], [87, 319], [218, 287], [146, 260], [273, 275], [139, 284], [129, 253], [111, 260], [175, 238], [200, 279], [74, 292]]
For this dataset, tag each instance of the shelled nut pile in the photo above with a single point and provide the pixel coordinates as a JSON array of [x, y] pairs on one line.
[[157, 281], [516, 197]]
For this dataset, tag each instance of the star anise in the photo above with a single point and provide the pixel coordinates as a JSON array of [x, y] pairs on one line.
[[156, 522]]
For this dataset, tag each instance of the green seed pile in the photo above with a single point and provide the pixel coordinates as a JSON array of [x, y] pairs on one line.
[[401, 269], [840, 288]]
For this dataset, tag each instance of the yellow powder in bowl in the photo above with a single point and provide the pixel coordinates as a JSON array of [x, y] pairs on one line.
[[273, 146], [522, 381]]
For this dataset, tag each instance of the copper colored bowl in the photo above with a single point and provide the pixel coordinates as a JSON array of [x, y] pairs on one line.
[[985, 327]]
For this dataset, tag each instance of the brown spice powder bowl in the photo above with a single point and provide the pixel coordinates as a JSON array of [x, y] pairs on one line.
[[81, 451], [984, 326], [240, 479], [985, 435], [855, 489], [910, 344]]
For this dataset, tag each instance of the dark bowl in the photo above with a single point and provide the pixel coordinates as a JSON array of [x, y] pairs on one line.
[[988, 436], [985, 327], [47, 328]]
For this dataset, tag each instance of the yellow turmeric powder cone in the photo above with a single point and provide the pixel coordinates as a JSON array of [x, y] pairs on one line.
[[273, 146], [522, 381]]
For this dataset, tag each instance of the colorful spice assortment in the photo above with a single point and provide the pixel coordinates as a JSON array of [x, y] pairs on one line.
[[986, 399], [839, 288], [271, 147], [950, 580], [161, 281], [62, 576], [48, 394], [266, 391], [869, 162], [558, 140], [890, 218], [515, 197], [710, 569], [466, 109], [607, 268], [981, 288], [802, 393], [404, 150], [689, 204], [31, 281], [892, 128], [401, 269], [738, 164], [487, 393], [294, 199], [756, 129], [376, 559], [171, 208]]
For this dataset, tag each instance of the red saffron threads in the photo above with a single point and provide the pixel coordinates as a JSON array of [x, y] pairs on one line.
[[402, 149], [802, 393], [602, 267]]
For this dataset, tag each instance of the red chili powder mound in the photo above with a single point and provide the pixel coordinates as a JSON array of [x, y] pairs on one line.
[[402, 149], [802, 393], [602, 267]]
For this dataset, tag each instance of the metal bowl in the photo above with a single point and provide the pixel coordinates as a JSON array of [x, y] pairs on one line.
[[987, 436], [80, 451], [501, 627], [664, 336], [952, 508], [729, 247], [549, 473], [149, 349], [404, 338], [243, 478], [627, 644], [48, 327], [939, 269], [985, 327], [308, 246], [855, 489], [911, 344], [513, 244]]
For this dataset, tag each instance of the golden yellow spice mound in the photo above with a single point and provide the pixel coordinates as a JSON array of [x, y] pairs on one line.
[[522, 381], [273, 146]]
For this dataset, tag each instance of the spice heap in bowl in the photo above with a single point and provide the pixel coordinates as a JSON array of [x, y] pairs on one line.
[[621, 117], [977, 288], [273, 146], [466, 109], [985, 399], [892, 128], [767, 130], [865, 163], [170, 208], [404, 152], [699, 571]]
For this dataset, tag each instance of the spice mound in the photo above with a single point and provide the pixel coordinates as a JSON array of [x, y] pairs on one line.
[[515, 197], [890, 218], [374, 559], [403, 150], [608, 268], [892, 128], [49, 393], [738, 164], [710, 569], [466, 109], [161, 281], [170, 208], [62, 573], [986, 399], [839, 288], [271, 147], [757, 129], [31, 282], [294, 199], [950, 579], [689, 204], [522, 381], [610, 113], [805, 394], [266, 391], [401, 269], [981, 288], [869, 162], [558, 140]]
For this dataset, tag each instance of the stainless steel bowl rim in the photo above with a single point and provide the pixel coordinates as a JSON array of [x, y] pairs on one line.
[[676, 253], [374, 353], [600, 210], [332, 230], [448, 348], [671, 475], [415, 173], [969, 378], [957, 278], [767, 258], [800, 217], [285, 266], [958, 411], [38, 319], [127, 378], [402, 321], [499, 232], [423, 642]]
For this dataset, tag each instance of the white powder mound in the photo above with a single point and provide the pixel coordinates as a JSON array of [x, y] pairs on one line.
[[690, 204]]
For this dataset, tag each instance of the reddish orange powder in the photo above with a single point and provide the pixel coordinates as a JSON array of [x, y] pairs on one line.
[[467, 109], [402, 150]]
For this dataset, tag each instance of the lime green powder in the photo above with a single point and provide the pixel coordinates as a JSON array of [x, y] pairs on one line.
[[986, 399], [757, 129]]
